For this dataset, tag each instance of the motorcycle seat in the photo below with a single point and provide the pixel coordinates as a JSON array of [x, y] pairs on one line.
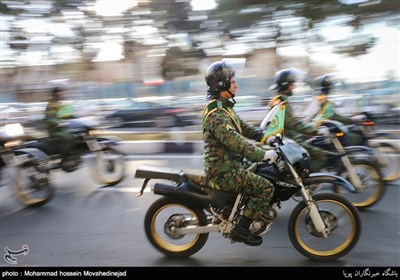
[[157, 172]]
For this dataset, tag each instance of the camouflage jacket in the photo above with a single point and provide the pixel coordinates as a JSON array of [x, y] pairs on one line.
[[51, 118], [327, 112], [225, 138], [294, 127]]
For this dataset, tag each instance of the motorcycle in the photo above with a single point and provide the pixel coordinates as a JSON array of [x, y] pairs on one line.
[[107, 165], [26, 166], [363, 133], [362, 171], [359, 164], [322, 227]]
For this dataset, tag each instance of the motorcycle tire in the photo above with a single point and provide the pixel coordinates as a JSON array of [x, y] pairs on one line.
[[108, 167], [340, 217], [373, 185], [159, 226], [30, 184], [389, 159]]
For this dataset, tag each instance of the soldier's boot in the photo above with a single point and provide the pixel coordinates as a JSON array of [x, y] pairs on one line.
[[241, 233]]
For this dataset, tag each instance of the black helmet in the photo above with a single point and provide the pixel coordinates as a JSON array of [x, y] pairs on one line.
[[324, 83], [56, 90], [58, 86], [218, 77], [283, 78]]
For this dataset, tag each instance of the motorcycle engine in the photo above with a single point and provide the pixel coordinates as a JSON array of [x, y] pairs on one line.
[[70, 163], [263, 225]]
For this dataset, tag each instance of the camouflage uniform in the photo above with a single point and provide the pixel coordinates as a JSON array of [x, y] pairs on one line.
[[64, 139], [225, 147], [295, 129], [327, 112]]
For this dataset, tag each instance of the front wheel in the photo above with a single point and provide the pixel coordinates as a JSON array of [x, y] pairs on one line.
[[162, 219], [30, 184], [343, 225], [373, 185], [389, 160], [108, 167]]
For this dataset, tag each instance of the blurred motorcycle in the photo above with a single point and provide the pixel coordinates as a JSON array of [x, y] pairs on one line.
[[354, 163], [106, 163], [27, 167], [363, 133], [322, 227], [359, 164]]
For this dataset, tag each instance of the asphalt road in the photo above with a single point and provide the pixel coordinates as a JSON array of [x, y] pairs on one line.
[[87, 224]]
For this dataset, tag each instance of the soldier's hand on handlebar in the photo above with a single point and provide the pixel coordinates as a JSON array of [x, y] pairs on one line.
[[270, 156], [324, 131]]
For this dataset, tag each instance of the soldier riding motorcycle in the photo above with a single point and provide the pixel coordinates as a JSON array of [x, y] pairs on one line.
[[69, 139], [363, 172], [26, 167], [106, 162], [322, 227], [359, 128], [240, 204]]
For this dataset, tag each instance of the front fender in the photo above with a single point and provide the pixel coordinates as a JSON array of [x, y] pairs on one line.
[[363, 149], [32, 153], [112, 139], [110, 142], [319, 178]]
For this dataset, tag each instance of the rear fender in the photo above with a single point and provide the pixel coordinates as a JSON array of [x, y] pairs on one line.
[[194, 196], [318, 178], [157, 172]]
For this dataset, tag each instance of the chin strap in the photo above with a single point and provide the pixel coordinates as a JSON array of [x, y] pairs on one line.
[[232, 96]]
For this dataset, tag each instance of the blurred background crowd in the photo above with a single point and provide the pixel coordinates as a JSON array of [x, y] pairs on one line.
[[142, 62]]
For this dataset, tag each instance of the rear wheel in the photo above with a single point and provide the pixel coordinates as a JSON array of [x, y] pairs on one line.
[[30, 184], [162, 220], [341, 220]]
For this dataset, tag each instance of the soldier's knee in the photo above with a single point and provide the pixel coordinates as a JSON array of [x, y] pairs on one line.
[[268, 191]]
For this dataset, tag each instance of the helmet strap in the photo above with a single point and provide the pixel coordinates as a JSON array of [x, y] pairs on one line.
[[232, 96]]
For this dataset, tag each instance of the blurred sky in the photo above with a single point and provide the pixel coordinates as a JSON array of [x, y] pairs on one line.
[[376, 64], [386, 54]]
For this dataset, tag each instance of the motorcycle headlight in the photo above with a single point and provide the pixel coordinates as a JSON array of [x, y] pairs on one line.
[[94, 132], [12, 143]]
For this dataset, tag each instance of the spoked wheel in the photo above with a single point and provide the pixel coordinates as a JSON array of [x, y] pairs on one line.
[[162, 220], [31, 184], [108, 167], [373, 186], [341, 220], [389, 160]]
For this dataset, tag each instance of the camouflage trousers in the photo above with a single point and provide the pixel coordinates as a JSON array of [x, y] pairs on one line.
[[258, 189]]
